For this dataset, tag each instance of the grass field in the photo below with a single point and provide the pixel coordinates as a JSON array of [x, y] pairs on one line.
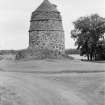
[[52, 82]]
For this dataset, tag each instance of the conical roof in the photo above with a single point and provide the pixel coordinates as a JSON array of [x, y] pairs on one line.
[[46, 10], [46, 6]]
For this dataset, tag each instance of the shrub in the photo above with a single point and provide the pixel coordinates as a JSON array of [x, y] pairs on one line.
[[37, 54]]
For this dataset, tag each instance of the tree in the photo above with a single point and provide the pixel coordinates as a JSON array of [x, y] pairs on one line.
[[100, 50], [87, 32]]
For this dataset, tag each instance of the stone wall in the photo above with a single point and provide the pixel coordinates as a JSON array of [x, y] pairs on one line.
[[46, 29], [47, 33], [52, 40], [46, 25]]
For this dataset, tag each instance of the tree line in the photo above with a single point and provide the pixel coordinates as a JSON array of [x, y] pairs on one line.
[[89, 36]]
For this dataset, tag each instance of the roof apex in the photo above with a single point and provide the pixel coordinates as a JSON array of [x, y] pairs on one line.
[[46, 5]]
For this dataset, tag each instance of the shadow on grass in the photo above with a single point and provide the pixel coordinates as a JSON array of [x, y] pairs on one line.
[[98, 61], [1, 69]]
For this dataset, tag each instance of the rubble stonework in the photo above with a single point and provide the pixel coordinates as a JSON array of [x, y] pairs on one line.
[[46, 30], [46, 34]]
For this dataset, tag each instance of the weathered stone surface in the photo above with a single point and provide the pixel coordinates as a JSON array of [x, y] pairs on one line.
[[46, 30], [51, 40], [46, 25], [46, 34]]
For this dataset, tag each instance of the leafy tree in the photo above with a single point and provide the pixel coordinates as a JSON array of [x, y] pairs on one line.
[[87, 32], [100, 49]]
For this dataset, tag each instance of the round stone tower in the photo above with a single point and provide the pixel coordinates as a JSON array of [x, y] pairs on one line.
[[46, 30]]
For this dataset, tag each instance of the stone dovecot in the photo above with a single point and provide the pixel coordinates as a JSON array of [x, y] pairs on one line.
[[46, 30]]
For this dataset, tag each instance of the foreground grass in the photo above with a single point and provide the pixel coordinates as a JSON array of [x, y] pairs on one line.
[[48, 89], [51, 65], [52, 82]]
